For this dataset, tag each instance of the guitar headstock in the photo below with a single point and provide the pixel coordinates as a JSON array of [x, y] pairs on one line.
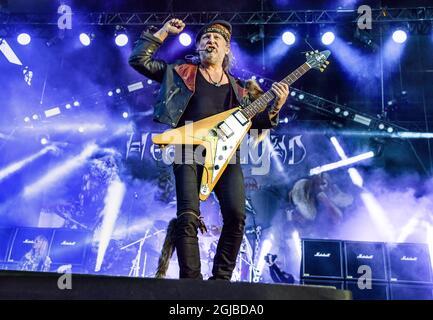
[[318, 60]]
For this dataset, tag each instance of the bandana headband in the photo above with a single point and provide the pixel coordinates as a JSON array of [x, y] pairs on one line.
[[218, 30]]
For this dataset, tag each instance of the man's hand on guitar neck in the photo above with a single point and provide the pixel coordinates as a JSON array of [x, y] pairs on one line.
[[281, 91]]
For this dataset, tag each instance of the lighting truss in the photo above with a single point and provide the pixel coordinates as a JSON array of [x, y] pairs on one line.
[[381, 15], [335, 110]]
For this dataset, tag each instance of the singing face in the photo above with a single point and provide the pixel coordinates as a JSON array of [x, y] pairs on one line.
[[218, 45]]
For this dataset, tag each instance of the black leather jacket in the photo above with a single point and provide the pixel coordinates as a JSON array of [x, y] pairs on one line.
[[178, 84]]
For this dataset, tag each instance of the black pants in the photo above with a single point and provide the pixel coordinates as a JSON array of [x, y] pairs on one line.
[[231, 196]]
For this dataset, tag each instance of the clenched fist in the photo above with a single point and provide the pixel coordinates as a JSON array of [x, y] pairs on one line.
[[174, 26]]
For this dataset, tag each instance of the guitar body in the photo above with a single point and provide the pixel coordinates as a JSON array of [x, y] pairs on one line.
[[220, 135]]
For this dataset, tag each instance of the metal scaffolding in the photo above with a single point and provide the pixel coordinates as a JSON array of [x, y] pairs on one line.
[[292, 17]]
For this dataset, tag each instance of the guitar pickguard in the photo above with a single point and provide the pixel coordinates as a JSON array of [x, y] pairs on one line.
[[224, 139]]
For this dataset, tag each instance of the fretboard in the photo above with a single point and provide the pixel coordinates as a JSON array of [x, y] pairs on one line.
[[260, 104]]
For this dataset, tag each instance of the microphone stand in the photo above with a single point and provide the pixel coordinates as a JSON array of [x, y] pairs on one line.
[[135, 268], [257, 231]]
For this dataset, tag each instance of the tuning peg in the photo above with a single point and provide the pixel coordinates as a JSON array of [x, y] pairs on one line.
[[307, 54], [321, 69], [317, 51], [327, 62], [311, 52]]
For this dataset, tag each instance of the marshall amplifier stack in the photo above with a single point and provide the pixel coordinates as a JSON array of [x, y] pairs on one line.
[[371, 270], [67, 248]]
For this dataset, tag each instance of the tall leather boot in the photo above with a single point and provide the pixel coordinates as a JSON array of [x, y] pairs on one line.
[[187, 248]]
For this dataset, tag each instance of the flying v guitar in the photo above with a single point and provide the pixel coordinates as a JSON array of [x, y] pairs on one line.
[[222, 133]]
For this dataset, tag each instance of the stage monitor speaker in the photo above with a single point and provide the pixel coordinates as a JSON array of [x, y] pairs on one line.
[[69, 246], [409, 262], [24, 239], [322, 259], [372, 254], [378, 291], [411, 292], [5, 242]]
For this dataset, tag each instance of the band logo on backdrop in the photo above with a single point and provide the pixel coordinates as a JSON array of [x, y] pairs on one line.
[[284, 150]]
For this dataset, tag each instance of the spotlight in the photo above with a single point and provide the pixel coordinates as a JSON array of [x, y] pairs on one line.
[[328, 38], [76, 104], [26, 119], [125, 115], [110, 93], [293, 93], [24, 39], [337, 110], [121, 37], [399, 36], [35, 117], [381, 126], [81, 129], [301, 96], [254, 77], [185, 39], [345, 113], [149, 81], [261, 80], [68, 106], [121, 40], [390, 130], [118, 91], [86, 39], [44, 141], [289, 38], [52, 112]]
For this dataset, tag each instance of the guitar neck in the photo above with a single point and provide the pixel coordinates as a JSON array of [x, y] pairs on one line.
[[260, 104]]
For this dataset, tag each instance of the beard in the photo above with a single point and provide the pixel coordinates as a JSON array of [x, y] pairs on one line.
[[211, 58]]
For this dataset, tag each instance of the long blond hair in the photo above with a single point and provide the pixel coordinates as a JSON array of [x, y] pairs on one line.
[[42, 252]]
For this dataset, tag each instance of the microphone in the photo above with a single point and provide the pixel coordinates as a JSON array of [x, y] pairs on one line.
[[206, 49]]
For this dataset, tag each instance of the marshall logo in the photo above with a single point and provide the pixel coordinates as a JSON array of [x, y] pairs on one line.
[[68, 243], [365, 256], [322, 255], [404, 258]]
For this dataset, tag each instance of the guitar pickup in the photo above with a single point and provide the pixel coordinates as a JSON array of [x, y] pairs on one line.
[[225, 129], [240, 117]]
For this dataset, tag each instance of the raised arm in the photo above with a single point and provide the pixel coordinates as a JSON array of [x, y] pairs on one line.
[[142, 56]]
